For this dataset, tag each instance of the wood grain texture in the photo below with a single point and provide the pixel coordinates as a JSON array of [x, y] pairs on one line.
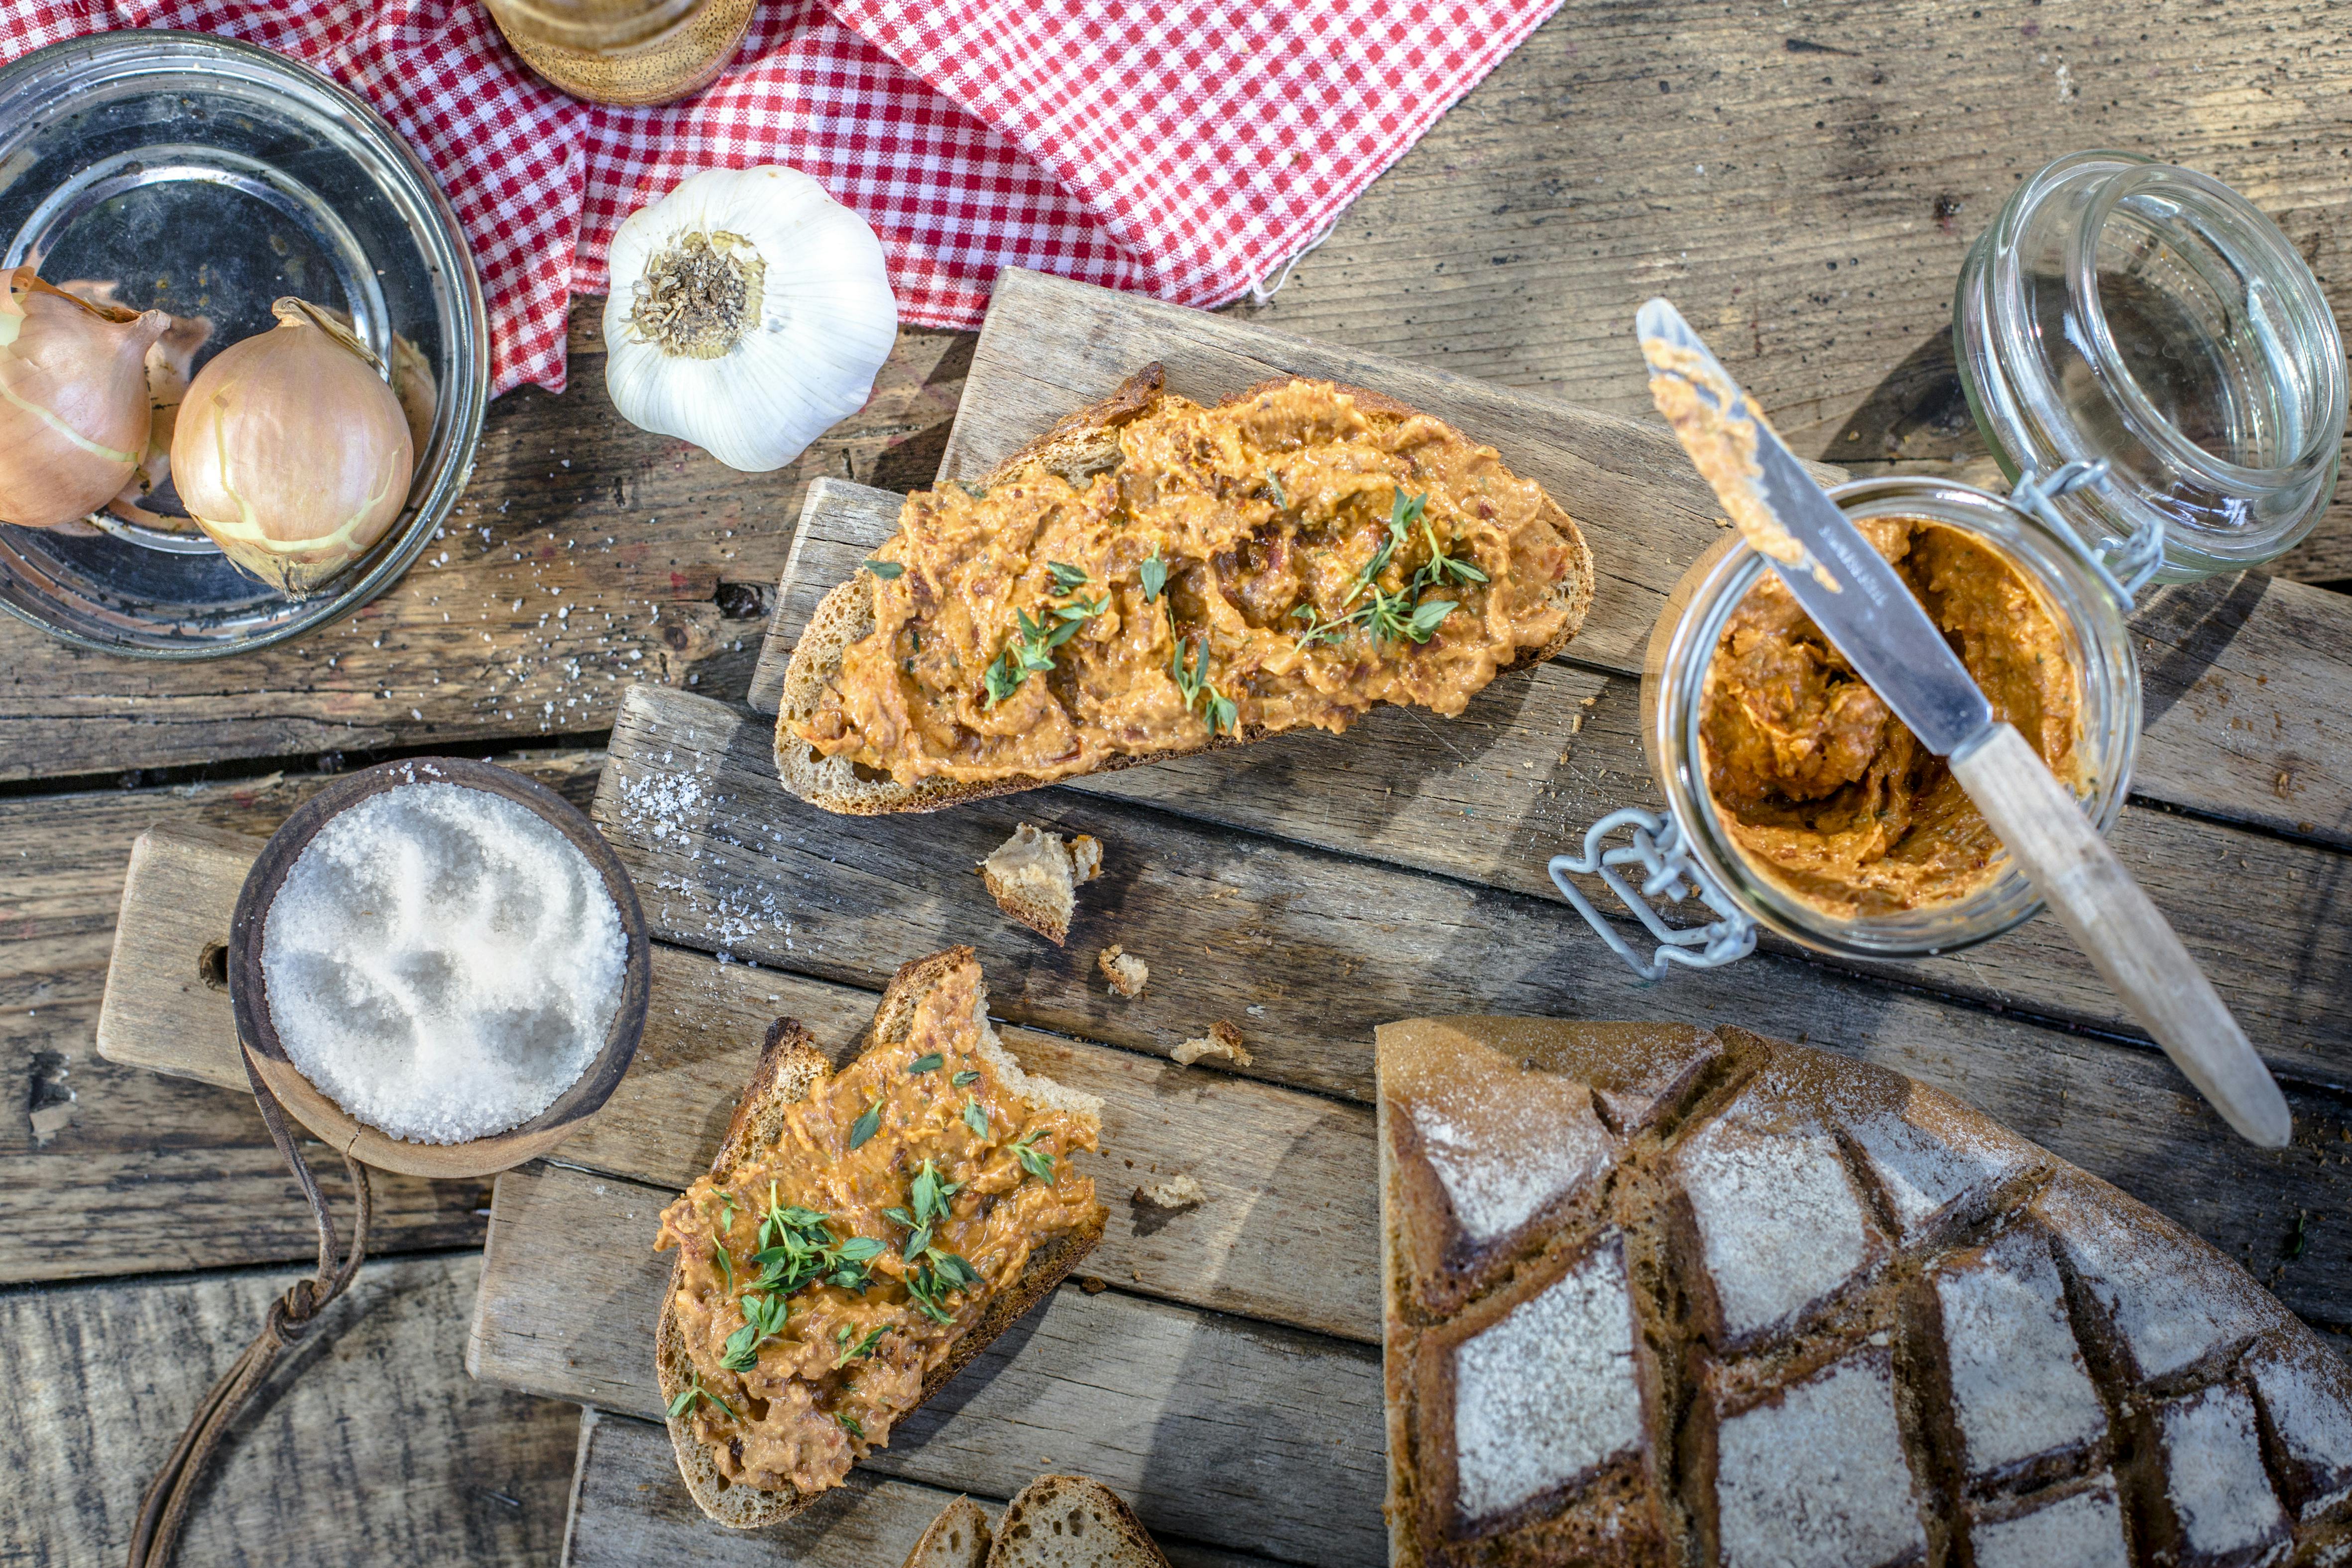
[[585, 553], [94, 1156], [1307, 951], [1803, 181], [628, 1507], [1214, 1427], [368, 1443]]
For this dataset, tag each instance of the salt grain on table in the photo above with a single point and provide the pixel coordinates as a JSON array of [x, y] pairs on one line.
[[442, 963]]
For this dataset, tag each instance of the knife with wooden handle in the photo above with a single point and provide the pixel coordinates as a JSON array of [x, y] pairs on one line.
[[1864, 607]]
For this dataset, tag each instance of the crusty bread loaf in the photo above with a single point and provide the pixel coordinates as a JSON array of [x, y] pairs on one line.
[[1080, 445], [1660, 1295], [790, 1066], [959, 1538], [1071, 1521]]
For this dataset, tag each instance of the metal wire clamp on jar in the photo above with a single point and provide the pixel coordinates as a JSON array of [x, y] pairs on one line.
[[2124, 308], [624, 51], [1687, 852]]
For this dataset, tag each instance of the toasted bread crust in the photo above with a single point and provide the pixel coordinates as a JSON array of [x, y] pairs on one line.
[[1077, 442], [790, 1063]]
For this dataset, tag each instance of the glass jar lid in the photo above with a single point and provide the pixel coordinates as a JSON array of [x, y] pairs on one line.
[[2123, 308]]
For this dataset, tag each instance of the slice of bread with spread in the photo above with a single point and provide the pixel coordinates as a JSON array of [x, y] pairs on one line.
[[1151, 578], [1661, 1295], [862, 1235]]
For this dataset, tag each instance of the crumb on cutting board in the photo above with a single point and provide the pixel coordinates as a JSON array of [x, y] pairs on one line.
[[1180, 1191], [1126, 973], [1035, 874], [1221, 1040]]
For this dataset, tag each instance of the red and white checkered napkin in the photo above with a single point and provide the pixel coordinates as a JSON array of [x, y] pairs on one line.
[[1182, 147]]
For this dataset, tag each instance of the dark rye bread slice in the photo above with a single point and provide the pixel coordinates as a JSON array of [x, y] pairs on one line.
[[790, 1066], [1080, 445], [1657, 1295]]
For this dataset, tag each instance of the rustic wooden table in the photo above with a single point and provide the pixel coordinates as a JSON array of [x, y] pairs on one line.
[[1803, 179]]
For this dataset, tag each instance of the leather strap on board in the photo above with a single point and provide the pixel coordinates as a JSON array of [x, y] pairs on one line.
[[165, 1508]]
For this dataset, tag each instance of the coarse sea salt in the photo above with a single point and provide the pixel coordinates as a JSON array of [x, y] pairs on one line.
[[442, 963]]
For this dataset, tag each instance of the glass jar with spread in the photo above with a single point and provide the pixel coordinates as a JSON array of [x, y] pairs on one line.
[[1809, 807], [2123, 308], [624, 51]]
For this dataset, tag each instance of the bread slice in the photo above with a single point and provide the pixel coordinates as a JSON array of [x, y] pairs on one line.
[[1078, 446], [959, 1538], [1071, 1521], [1657, 1295], [791, 1066], [1035, 874]]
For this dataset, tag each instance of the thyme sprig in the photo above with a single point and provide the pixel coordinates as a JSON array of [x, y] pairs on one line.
[[1192, 677], [1032, 651], [797, 1249], [1401, 615], [1034, 1159], [859, 1351], [694, 1390]]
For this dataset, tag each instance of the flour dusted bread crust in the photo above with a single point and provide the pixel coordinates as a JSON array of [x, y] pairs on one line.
[[1660, 1295], [1083, 445], [791, 1067]]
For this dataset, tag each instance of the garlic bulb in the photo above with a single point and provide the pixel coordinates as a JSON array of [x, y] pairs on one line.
[[291, 451], [749, 314], [74, 414]]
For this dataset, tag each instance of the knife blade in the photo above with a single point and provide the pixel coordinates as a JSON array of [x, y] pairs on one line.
[[1847, 587], [1859, 605]]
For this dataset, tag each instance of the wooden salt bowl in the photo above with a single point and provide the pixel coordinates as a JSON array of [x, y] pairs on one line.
[[249, 991]]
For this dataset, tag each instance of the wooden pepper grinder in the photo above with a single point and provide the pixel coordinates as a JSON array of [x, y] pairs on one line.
[[624, 51]]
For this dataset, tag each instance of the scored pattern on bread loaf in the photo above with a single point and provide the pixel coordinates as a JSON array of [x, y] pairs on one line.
[[1664, 1295]]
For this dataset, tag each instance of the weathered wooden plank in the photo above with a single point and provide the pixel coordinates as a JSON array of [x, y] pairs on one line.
[[1214, 1427], [369, 1442], [585, 555], [628, 1508], [1804, 180], [93, 1152], [1051, 344], [1307, 952]]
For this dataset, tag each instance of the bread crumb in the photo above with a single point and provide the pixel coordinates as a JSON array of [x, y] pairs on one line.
[[1093, 1284], [1177, 1192], [1034, 877], [1126, 973], [1221, 1040], [1576, 724]]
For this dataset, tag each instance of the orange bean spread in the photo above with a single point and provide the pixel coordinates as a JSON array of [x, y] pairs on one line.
[[1822, 787], [827, 1275], [1263, 566]]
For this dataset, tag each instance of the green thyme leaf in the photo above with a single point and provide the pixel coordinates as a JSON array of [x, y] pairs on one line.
[[1276, 486], [969, 1076], [858, 1248], [916, 1243], [975, 1117], [1426, 618], [726, 1264], [1222, 713], [1067, 579], [849, 1424], [686, 1398], [742, 1352], [900, 1216], [863, 1347], [726, 1212], [888, 570], [1155, 576], [932, 1063], [954, 1271], [865, 1126], [1034, 1159]]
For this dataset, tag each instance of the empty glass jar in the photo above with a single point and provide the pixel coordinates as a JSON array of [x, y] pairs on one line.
[[2124, 308]]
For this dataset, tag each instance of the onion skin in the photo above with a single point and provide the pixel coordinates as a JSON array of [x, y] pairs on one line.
[[74, 411], [291, 451]]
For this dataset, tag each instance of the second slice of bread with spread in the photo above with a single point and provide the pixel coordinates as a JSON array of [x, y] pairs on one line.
[[1151, 578], [841, 1263]]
